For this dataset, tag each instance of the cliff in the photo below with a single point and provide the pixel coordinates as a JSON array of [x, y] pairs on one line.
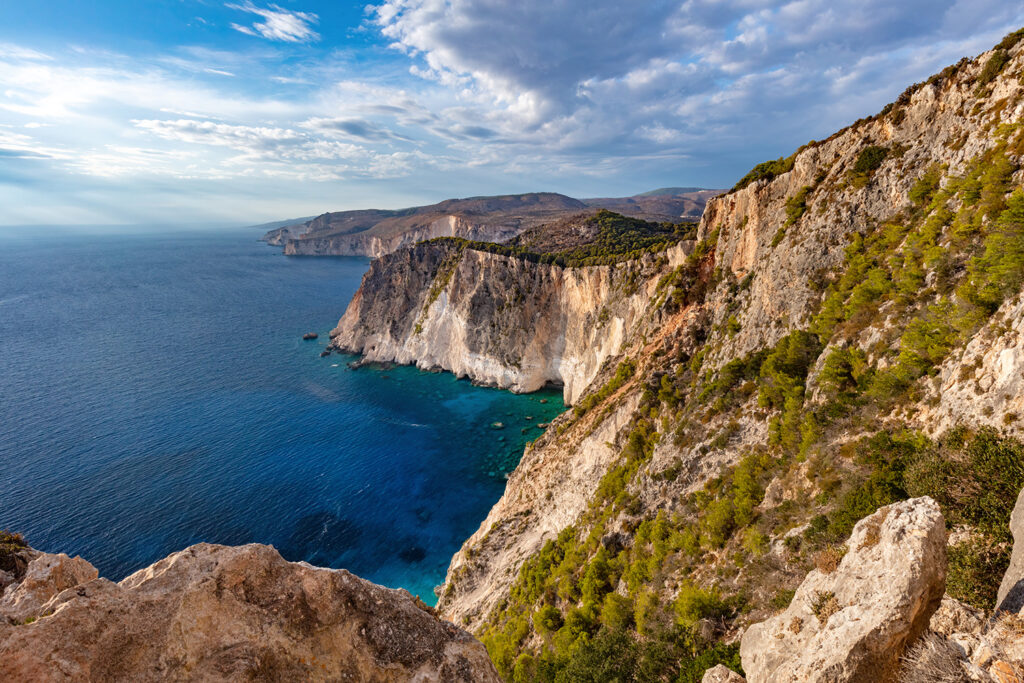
[[843, 335], [500, 320], [376, 232], [217, 613]]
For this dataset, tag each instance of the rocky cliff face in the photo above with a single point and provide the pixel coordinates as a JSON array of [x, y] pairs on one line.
[[866, 286], [376, 245], [500, 320], [216, 613]]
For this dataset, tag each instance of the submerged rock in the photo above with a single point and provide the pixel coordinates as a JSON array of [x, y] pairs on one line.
[[218, 613], [854, 623]]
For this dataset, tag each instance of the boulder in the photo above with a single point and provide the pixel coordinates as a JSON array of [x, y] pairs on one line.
[[1011, 590], [218, 613], [853, 624], [45, 576], [720, 673]]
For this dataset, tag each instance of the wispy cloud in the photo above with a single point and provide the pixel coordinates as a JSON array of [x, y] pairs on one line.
[[278, 23]]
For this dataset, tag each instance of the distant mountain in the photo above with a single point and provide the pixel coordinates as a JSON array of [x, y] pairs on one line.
[[375, 232], [666, 204], [273, 225]]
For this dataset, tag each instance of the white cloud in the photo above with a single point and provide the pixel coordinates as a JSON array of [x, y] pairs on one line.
[[278, 23]]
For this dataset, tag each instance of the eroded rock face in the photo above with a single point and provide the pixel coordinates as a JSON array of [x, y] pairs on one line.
[[1011, 589], [46, 575], [217, 613], [853, 624], [499, 320]]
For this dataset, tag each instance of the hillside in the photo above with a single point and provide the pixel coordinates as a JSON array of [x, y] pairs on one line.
[[374, 232], [843, 334]]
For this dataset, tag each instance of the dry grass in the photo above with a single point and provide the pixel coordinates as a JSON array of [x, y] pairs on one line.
[[874, 532], [825, 605], [932, 659], [827, 560]]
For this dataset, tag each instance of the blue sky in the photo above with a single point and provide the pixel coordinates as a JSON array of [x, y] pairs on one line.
[[187, 111]]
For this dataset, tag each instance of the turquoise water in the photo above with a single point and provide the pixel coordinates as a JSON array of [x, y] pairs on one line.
[[155, 392]]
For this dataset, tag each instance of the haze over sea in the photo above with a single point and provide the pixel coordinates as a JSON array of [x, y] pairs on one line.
[[156, 393]]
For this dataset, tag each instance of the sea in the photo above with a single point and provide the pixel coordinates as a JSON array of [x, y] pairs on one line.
[[155, 392]]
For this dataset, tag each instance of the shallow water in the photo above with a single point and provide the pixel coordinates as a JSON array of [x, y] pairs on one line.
[[155, 392]]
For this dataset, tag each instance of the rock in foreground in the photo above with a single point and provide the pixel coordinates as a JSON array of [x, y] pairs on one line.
[[853, 623], [216, 613]]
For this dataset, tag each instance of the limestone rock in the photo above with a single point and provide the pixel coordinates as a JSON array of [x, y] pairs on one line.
[[720, 673], [46, 575], [499, 320], [218, 613], [1011, 589], [853, 624], [953, 616]]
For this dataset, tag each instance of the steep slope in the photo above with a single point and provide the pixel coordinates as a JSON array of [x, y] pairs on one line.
[[803, 366], [217, 613], [376, 232]]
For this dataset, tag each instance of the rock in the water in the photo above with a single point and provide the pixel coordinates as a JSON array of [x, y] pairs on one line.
[[310, 335], [719, 673], [854, 623], [46, 576], [218, 613], [1011, 591]]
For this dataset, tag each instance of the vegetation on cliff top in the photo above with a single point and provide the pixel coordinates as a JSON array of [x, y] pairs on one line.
[[611, 238]]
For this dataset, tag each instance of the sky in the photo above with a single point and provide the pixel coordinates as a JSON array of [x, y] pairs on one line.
[[240, 112]]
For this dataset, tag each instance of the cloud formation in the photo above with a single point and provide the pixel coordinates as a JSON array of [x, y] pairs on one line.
[[278, 23], [434, 98]]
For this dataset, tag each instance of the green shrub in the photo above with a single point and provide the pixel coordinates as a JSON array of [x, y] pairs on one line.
[[993, 66], [975, 476], [926, 186], [766, 170], [797, 204], [694, 603], [547, 619], [975, 570], [617, 612], [623, 373], [868, 161]]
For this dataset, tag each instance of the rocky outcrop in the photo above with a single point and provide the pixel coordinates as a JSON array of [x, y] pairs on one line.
[[217, 613], [985, 383], [46, 575], [721, 674], [1011, 589], [499, 320], [853, 624]]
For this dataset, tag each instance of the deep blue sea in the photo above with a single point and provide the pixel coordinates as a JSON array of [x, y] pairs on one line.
[[155, 392]]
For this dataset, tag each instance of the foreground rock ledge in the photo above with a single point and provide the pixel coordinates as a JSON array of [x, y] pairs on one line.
[[853, 623], [218, 613]]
